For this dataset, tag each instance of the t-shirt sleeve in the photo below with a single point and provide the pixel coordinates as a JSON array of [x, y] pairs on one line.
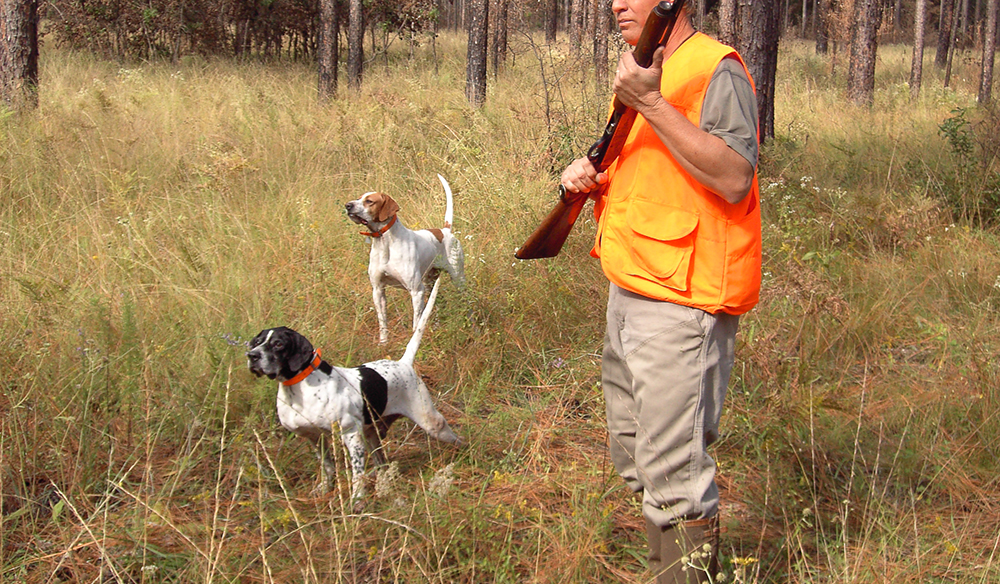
[[730, 109]]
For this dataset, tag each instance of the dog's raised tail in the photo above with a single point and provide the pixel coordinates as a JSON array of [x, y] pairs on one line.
[[449, 206], [425, 316]]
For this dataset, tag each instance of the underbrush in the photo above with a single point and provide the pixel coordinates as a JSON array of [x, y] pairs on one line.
[[157, 216]]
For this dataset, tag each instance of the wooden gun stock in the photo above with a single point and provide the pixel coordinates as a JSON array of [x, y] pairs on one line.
[[548, 238]]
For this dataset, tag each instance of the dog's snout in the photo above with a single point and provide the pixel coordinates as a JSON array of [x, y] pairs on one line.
[[253, 357]]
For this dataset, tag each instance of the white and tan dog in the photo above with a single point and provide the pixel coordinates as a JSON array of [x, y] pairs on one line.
[[402, 257], [314, 396]]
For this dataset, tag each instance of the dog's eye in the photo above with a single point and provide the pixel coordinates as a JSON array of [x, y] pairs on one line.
[[279, 345]]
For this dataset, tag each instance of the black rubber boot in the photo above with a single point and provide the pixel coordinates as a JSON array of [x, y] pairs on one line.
[[685, 553]]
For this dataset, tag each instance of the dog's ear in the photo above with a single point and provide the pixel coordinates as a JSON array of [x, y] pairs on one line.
[[299, 351], [387, 209]]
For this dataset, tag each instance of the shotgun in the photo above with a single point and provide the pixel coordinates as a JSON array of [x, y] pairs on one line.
[[548, 238]]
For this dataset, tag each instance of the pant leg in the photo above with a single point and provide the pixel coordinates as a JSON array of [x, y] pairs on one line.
[[621, 409], [668, 370]]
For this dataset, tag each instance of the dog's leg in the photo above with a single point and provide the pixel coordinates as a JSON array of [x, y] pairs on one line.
[[378, 297], [374, 433], [373, 440], [355, 443], [328, 468]]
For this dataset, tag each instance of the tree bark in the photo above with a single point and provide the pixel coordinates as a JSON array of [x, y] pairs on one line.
[[552, 23], [727, 22], [475, 65], [989, 47], [864, 47], [824, 9], [499, 48], [575, 28], [759, 33], [355, 44], [328, 49], [920, 30], [19, 53], [602, 29], [944, 33], [953, 41]]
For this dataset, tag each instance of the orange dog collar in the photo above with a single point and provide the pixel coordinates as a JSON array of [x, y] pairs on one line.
[[305, 372], [380, 231]]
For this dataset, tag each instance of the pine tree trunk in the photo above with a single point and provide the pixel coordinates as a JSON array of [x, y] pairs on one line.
[[951, 47], [499, 45], [355, 44], [552, 23], [864, 46], [727, 22], [328, 50], [475, 65], [759, 33], [989, 47], [823, 10], [602, 28], [575, 28], [920, 30], [19, 53], [944, 33]]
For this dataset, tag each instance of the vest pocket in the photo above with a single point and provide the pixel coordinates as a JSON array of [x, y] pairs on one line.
[[662, 243]]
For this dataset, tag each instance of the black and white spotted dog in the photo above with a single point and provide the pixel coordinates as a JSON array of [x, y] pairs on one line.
[[314, 397]]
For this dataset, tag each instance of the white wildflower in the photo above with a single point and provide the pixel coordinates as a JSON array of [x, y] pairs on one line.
[[442, 481]]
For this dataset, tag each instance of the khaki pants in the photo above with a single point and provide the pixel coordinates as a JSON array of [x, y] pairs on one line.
[[665, 369]]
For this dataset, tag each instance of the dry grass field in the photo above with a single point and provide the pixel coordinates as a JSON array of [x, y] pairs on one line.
[[155, 216]]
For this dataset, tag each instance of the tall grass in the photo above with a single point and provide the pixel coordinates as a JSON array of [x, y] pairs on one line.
[[157, 216]]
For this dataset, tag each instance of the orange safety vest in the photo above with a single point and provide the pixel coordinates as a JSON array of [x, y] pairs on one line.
[[663, 235]]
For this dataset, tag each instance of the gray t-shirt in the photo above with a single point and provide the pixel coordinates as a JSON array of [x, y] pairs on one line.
[[730, 109]]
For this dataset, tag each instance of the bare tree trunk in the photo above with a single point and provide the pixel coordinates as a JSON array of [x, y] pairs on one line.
[[897, 19], [965, 20], [944, 33], [864, 47], [328, 49], [824, 8], [805, 11], [499, 45], [355, 44], [989, 47], [952, 41], [920, 30], [602, 28], [475, 65], [552, 23], [575, 28], [727, 22], [759, 33], [19, 53]]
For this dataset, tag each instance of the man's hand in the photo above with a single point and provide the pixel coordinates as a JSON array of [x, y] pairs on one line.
[[581, 176], [636, 87]]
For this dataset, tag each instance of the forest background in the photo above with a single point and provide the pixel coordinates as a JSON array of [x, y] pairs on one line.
[[161, 206]]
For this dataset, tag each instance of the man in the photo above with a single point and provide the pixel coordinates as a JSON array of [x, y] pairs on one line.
[[679, 239]]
